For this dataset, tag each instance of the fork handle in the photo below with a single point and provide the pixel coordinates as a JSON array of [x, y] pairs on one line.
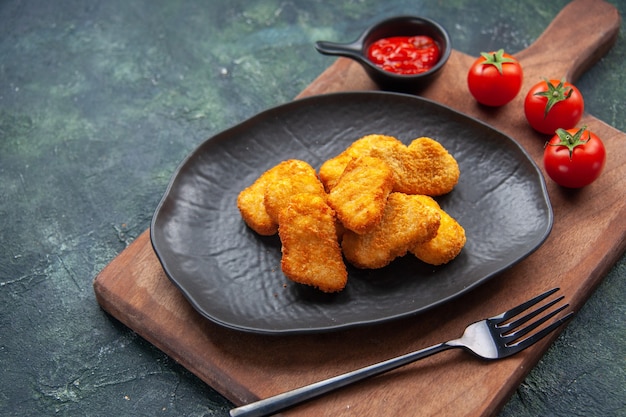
[[288, 399]]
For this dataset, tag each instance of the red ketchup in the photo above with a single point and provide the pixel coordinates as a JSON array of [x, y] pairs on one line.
[[407, 55]]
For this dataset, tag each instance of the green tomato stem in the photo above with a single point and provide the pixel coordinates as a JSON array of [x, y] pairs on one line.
[[496, 59], [570, 141], [554, 95]]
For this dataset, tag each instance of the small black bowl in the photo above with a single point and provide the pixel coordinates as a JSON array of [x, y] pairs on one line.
[[395, 26]]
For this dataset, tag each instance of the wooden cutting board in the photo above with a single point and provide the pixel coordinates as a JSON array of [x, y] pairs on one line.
[[587, 239]]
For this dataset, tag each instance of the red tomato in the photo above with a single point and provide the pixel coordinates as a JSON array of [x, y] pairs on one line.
[[574, 158], [553, 104], [495, 78]]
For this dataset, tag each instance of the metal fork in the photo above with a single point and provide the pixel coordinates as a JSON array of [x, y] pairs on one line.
[[492, 338]]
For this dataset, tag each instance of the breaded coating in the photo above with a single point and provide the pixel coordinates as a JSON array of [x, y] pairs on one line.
[[447, 244], [360, 195], [406, 222], [423, 167], [289, 178], [331, 170], [311, 252], [260, 202], [251, 204], [429, 170], [374, 198]]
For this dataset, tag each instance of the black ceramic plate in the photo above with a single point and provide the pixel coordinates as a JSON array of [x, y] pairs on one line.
[[232, 275]]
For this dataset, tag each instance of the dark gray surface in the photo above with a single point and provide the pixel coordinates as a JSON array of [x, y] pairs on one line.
[[100, 101]]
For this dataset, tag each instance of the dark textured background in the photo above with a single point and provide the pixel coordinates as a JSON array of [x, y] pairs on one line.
[[100, 101]]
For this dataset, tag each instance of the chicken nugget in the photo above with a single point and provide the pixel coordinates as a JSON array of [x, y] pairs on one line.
[[423, 167], [447, 244], [331, 170], [289, 178], [428, 169], [251, 204], [406, 222], [360, 195], [311, 254]]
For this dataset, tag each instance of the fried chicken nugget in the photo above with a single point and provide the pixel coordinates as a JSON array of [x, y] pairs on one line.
[[289, 178], [311, 252], [406, 222], [431, 161], [331, 170], [360, 195], [260, 202], [423, 167], [251, 204], [447, 244]]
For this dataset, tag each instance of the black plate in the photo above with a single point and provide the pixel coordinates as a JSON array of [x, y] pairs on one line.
[[233, 277]]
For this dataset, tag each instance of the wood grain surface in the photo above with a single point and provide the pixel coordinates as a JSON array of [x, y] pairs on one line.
[[588, 237]]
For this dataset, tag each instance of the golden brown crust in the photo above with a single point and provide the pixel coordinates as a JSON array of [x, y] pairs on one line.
[[406, 222], [360, 195], [289, 178], [260, 203], [429, 169], [423, 167], [447, 244], [331, 170], [370, 197], [311, 252], [251, 204]]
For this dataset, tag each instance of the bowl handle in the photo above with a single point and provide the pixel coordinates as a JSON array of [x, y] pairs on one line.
[[352, 50]]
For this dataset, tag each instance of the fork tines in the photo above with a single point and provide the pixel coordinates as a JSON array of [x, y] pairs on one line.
[[513, 337]]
